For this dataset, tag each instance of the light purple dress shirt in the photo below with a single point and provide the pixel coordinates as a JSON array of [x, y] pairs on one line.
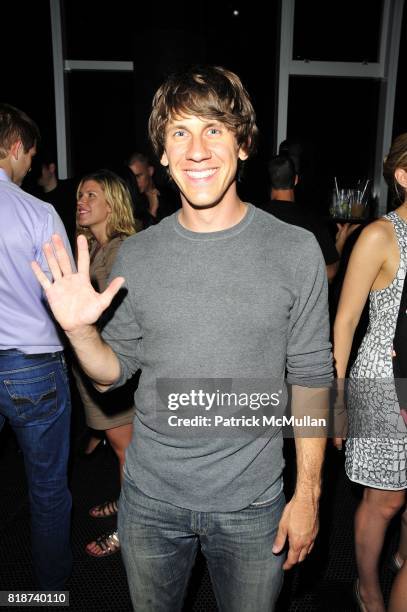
[[26, 322]]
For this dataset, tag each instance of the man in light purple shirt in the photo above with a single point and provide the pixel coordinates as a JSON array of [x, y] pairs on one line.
[[34, 389]]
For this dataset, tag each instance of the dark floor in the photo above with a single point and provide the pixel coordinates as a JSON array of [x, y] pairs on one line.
[[323, 582]]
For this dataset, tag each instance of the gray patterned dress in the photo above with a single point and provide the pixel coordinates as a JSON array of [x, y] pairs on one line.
[[376, 449]]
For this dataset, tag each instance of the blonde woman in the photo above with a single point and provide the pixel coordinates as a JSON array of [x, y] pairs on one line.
[[376, 460], [105, 217]]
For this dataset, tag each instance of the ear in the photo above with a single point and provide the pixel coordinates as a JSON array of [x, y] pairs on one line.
[[242, 154], [164, 159], [401, 177], [52, 167], [15, 149], [151, 170], [296, 180]]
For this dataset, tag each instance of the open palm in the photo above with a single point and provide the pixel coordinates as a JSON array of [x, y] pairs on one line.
[[71, 296]]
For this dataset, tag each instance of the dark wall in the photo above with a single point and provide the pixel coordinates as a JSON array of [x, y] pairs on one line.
[[400, 115], [26, 66], [109, 112], [245, 43]]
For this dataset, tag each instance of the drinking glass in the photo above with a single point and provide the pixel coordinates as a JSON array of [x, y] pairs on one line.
[[340, 203], [357, 204]]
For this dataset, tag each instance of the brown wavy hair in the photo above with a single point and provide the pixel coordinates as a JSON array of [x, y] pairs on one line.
[[397, 158], [205, 91], [121, 218]]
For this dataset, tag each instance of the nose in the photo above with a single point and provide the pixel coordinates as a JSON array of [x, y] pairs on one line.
[[198, 149]]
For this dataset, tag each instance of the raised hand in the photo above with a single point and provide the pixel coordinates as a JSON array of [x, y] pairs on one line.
[[71, 296]]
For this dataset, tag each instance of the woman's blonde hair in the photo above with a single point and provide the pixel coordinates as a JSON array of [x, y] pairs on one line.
[[397, 158], [121, 218]]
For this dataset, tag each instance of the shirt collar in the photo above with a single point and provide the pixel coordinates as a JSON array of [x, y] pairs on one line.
[[4, 176]]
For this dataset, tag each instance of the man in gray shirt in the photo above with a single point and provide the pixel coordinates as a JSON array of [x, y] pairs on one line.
[[218, 297]]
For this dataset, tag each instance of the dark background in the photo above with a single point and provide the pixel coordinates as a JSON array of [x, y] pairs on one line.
[[336, 118]]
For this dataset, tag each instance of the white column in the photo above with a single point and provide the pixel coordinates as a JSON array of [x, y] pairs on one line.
[[286, 50], [59, 88]]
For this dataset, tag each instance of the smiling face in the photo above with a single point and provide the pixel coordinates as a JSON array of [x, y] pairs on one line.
[[92, 208], [202, 156]]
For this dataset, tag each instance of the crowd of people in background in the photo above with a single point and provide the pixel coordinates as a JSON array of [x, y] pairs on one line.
[[186, 315]]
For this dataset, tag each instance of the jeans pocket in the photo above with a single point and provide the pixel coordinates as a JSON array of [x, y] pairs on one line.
[[33, 398]]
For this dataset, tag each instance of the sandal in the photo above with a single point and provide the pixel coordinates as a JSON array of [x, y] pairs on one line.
[[108, 544], [108, 508]]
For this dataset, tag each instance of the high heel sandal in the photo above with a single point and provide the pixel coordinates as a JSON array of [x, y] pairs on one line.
[[108, 544], [105, 510]]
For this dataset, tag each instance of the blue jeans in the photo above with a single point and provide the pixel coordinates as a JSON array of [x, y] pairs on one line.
[[159, 543], [35, 398]]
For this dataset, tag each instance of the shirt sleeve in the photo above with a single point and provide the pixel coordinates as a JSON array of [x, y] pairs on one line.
[[53, 225], [309, 356], [122, 330]]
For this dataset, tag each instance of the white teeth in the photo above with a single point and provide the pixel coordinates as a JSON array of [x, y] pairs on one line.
[[198, 174]]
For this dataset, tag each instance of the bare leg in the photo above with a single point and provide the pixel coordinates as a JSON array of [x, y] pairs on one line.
[[372, 517], [401, 554], [398, 597], [119, 439]]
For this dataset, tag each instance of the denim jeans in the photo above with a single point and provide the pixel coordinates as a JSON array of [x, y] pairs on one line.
[[35, 398], [159, 543]]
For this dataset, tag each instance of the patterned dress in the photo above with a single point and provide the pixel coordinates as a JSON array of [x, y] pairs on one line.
[[376, 449]]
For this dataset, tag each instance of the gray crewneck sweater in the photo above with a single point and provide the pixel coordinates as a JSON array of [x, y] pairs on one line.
[[248, 302]]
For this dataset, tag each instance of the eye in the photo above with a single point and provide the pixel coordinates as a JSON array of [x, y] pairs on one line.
[[180, 133], [213, 131]]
